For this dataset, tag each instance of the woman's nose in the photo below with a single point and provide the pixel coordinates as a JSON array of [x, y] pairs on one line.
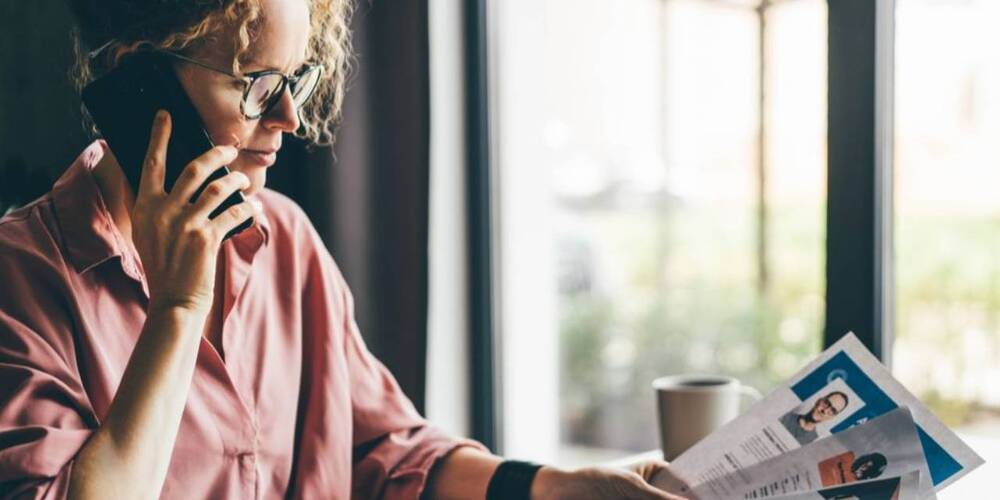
[[284, 115]]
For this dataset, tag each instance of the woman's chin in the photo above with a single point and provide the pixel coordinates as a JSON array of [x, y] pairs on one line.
[[257, 176]]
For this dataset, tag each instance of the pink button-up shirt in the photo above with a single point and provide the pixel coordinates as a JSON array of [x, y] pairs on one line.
[[299, 408]]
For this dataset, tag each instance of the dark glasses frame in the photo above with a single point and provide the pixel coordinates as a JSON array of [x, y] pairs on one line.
[[250, 78]]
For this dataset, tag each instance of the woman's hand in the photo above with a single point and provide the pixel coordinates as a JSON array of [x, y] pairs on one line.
[[600, 483], [129, 454], [175, 239]]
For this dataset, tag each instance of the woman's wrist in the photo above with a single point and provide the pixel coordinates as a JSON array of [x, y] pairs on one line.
[[546, 483], [182, 319], [183, 308], [167, 309]]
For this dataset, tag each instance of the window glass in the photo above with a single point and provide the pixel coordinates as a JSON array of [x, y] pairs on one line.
[[947, 208], [660, 211]]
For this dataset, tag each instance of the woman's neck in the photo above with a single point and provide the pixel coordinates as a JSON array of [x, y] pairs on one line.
[[116, 192]]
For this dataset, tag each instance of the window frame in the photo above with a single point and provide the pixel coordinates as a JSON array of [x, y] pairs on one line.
[[485, 397], [859, 246]]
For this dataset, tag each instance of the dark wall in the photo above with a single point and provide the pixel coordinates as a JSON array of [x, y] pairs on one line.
[[40, 131], [369, 197]]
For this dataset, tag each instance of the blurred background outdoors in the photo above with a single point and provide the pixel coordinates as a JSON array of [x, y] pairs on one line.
[[662, 170]]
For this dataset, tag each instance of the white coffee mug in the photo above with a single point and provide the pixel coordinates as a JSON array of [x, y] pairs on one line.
[[693, 406]]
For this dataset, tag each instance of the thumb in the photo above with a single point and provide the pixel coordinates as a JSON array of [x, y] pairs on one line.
[[658, 494], [650, 469], [660, 475], [657, 472]]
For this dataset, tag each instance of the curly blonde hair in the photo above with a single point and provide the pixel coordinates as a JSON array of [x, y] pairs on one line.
[[117, 28]]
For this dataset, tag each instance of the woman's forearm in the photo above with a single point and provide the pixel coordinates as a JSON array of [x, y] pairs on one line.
[[462, 474], [466, 472], [128, 456]]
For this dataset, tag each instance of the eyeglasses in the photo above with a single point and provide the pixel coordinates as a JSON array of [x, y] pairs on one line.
[[263, 89], [830, 410]]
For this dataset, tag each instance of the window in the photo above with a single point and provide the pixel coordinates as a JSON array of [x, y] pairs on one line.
[[660, 182], [948, 209]]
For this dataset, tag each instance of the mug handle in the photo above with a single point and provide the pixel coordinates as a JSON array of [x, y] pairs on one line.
[[751, 393]]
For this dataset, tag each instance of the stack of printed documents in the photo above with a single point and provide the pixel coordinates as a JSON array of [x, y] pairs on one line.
[[843, 428]]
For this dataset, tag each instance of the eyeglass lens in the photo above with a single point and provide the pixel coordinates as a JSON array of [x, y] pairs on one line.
[[266, 90]]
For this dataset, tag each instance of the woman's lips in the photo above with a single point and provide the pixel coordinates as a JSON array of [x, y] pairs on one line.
[[262, 158]]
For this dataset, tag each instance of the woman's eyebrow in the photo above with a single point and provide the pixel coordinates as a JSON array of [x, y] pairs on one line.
[[267, 67]]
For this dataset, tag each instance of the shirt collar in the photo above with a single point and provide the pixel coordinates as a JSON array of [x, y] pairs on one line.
[[89, 232]]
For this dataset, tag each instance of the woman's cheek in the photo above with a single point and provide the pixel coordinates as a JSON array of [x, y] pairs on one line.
[[227, 137]]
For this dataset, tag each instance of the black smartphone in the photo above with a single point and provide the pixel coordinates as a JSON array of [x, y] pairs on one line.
[[123, 104]]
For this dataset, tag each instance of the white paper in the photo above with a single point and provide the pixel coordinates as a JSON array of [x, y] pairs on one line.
[[886, 446], [905, 487], [763, 431]]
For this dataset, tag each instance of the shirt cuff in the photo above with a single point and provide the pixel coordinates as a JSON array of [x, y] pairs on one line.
[[398, 467]]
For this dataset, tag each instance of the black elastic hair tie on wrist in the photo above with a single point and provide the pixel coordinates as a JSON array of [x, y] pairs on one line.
[[512, 481]]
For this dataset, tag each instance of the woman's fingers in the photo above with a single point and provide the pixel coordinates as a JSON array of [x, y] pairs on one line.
[[154, 166], [659, 472], [233, 216], [177, 243], [653, 492], [217, 191], [650, 468], [198, 171]]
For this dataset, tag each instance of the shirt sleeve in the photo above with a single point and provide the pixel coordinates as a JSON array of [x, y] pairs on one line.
[[394, 448], [44, 414]]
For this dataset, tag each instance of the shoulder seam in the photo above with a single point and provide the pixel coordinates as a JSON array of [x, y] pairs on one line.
[[26, 211]]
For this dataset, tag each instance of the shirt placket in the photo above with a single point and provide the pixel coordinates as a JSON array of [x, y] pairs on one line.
[[239, 259], [241, 435], [235, 421]]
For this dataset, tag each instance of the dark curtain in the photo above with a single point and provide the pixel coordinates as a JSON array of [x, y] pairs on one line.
[[40, 130], [367, 196]]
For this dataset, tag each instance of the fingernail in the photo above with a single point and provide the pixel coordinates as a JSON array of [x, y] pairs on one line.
[[161, 115]]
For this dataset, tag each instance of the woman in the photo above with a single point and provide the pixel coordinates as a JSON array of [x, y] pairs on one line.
[[142, 355]]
